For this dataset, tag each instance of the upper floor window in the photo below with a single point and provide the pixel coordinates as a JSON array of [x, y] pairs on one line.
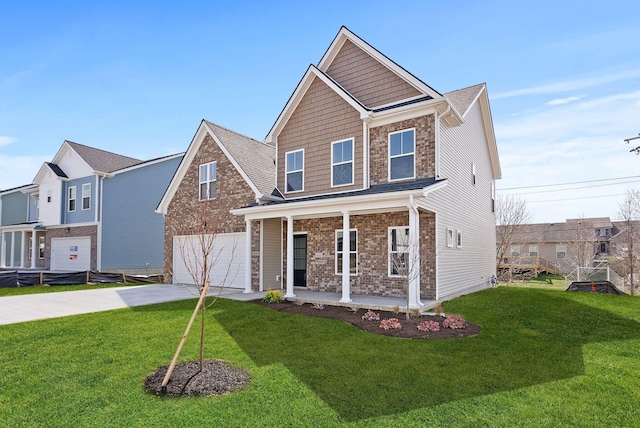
[[603, 232], [72, 198], [402, 155], [86, 196], [533, 251], [515, 251], [399, 251], [208, 181], [561, 251], [294, 165], [342, 163], [353, 252]]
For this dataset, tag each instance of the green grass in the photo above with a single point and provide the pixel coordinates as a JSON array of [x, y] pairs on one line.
[[38, 289], [543, 281], [543, 358]]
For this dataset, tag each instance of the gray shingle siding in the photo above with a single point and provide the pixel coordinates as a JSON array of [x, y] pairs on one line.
[[132, 233]]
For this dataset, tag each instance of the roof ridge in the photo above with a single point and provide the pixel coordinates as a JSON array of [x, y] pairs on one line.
[[100, 150], [237, 133], [466, 87]]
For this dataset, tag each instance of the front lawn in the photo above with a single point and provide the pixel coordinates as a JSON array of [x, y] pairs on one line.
[[543, 358], [38, 289]]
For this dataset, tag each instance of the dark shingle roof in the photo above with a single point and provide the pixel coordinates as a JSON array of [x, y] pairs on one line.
[[56, 170], [101, 160]]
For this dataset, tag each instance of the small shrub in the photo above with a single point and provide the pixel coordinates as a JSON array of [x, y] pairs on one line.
[[454, 322], [391, 323], [318, 306], [353, 309], [273, 296], [371, 316], [429, 326]]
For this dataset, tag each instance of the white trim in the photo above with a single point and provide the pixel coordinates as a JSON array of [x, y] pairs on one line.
[[335, 247], [75, 199], [289, 293], [144, 164], [82, 208], [458, 239], [390, 156], [450, 237], [208, 181], [390, 251], [352, 162], [287, 172], [365, 155]]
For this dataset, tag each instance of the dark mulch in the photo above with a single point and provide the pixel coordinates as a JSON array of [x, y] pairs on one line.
[[409, 328], [217, 377]]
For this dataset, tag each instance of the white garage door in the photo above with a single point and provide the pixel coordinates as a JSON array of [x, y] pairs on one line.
[[71, 254], [227, 257]]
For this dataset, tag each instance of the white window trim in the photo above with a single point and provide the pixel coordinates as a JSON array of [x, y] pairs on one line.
[[208, 181], [473, 173], [511, 248], [69, 199], [287, 172], [352, 162], [87, 197], [339, 231], [558, 246], [389, 157], [537, 250], [41, 239], [449, 237], [458, 239], [390, 246]]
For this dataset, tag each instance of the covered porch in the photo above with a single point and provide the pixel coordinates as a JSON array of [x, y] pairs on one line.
[[14, 244]]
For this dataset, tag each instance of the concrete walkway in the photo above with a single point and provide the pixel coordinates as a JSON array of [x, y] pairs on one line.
[[30, 307]]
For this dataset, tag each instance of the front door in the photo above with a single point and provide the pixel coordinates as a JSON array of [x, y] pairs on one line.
[[300, 260]]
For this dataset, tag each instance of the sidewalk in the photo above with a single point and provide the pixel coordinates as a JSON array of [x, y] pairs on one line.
[[30, 307]]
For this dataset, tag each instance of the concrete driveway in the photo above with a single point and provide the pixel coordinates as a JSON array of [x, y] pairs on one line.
[[30, 307]]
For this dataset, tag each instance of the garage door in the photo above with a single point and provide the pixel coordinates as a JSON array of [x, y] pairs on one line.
[[71, 254], [227, 257]]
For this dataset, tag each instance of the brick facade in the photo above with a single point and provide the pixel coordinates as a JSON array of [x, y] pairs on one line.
[[70, 232], [373, 262], [186, 211], [425, 146]]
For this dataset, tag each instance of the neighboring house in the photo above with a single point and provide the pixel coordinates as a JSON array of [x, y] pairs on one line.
[[363, 149], [566, 245], [87, 209]]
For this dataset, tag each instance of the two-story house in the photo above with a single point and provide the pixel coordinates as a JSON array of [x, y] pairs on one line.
[[369, 182], [87, 209]]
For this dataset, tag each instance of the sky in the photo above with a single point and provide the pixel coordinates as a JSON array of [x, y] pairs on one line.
[[137, 77]]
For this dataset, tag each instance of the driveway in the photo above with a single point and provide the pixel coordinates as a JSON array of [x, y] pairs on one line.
[[30, 307]]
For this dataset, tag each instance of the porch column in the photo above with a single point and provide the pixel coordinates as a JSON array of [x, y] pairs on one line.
[[13, 249], [346, 259], [289, 293], [414, 256], [3, 251], [34, 249], [22, 248], [247, 254]]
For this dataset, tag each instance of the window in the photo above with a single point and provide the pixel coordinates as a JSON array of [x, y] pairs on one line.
[[86, 196], [459, 239], [72, 198], [515, 251], [48, 196], [561, 251], [208, 181], [533, 251], [30, 248], [493, 197], [353, 251], [342, 163], [473, 173], [399, 251], [295, 171], [603, 232], [402, 155], [449, 237], [41, 247], [603, 248]]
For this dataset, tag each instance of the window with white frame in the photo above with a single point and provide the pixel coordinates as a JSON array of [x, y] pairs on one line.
[[353, 251], [208, 181], [72, 198], [294, 166], [459, 239], [533, 251], [561, 251], [342, 163], [86, 196], [41, 247], [515, 251], [30, 248], [402, 155], [473, 173], [399, 251], [449, 237]]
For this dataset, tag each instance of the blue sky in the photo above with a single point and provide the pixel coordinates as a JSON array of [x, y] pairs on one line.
[[137, 77]]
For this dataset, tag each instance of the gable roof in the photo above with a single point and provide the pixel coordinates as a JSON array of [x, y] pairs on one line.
[[560, 232], [254, 161], [101, 160], [462, 99]]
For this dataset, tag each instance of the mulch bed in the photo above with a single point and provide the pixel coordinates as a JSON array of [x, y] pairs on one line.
[[409, 328], [217, 377]]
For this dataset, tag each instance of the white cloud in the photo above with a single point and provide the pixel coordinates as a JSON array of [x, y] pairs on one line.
[[4, 141], [571, 85], [560, 101]]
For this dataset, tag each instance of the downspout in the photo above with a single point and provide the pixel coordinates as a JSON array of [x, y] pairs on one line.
[[99, 191]]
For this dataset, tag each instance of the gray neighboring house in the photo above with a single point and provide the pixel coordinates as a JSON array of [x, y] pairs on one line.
[[87, 209]]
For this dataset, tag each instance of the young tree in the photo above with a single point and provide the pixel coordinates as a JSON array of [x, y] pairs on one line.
[[581, 250], [511, 216], [629, 212], [201, 255]]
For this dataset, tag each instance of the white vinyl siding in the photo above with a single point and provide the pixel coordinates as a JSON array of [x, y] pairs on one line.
[[294, 167], [342, 163], [208, 181]]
